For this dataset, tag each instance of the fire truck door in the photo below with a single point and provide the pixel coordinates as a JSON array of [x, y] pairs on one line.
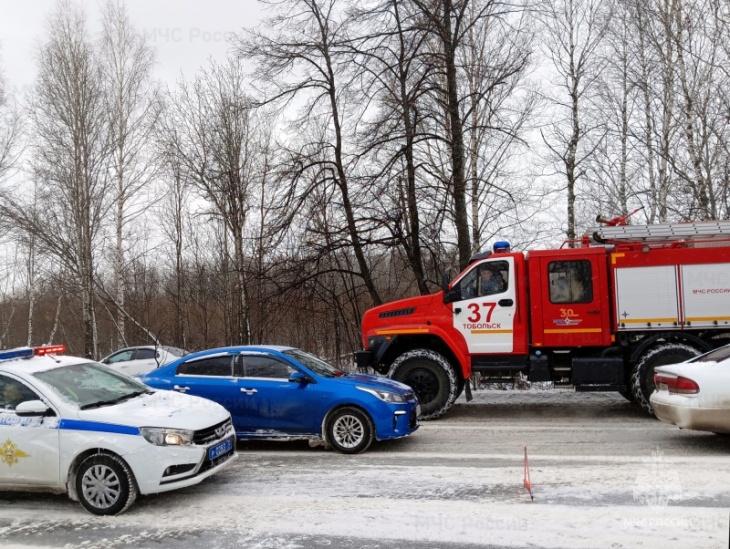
[[486, 312], [573, 302]]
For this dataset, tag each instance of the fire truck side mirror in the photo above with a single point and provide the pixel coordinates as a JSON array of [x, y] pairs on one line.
[[445, 279], [452, 295]]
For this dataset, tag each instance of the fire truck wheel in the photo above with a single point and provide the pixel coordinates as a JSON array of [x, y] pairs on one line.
[[431, 377], [459, 386], [628, 394], [642, 376]]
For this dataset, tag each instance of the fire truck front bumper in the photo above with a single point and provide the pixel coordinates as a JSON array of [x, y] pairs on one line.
[[363, 358]]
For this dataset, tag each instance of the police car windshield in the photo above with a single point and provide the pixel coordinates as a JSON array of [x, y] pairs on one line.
[[91, 385], [317, 365]]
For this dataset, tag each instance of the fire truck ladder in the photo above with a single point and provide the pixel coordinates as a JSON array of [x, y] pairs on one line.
[[698, 230]]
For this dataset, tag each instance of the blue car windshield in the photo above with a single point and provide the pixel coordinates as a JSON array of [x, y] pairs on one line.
[[317, 365]]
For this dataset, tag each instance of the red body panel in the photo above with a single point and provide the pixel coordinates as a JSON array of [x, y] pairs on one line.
[[562, 325]]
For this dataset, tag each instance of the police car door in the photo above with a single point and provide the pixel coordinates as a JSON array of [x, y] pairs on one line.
[[485, 313], [28, 445]]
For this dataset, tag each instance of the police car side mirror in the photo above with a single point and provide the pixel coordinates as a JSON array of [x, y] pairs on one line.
[[31, 408]]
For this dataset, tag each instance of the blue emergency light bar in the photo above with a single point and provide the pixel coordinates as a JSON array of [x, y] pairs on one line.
[[16, 353], [25, 352]]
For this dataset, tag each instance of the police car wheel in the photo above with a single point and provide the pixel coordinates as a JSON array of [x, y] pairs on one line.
[[105, 485]]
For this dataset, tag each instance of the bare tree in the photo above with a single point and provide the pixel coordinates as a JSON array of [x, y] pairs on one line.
[[10, 132], [301, 55], [614, 170], [215, 146], [698, 37], [389, 53], [132, 111], [448, 23], [574, 30], [497, 109], [66, 212], [173, 213]]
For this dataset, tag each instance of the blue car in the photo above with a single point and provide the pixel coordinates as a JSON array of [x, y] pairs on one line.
[[284, 393]]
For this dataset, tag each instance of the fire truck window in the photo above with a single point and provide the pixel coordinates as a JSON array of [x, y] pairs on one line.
[[485, 279], [468, 285], [493, 278], [570, 281]]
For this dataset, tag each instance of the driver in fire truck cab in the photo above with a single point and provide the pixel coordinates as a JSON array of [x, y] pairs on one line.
[[490, 282]]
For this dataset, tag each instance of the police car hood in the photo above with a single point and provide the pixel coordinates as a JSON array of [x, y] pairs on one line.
[[160, 409]]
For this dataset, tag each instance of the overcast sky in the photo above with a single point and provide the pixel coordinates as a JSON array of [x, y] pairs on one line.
[[184, 33]]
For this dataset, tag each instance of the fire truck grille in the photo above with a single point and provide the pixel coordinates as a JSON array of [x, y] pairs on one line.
[[398, 312]]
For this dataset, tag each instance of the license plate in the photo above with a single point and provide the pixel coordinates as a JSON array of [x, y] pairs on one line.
[[220, 449]]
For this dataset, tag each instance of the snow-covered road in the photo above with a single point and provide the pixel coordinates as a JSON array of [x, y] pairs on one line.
[[603, 475]]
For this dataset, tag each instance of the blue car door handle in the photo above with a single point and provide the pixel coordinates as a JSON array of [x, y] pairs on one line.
[[180, 389], [248, 391]]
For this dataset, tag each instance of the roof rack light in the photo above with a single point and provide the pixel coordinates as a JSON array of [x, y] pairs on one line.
[[49, 350], [27, 352]]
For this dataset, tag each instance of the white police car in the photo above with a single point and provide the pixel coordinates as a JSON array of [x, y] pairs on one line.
[[72, 425]]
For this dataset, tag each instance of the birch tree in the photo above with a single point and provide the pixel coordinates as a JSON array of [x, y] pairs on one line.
[[69, 125], [127, 60], [10, 134], [215, 147], [574, 30]]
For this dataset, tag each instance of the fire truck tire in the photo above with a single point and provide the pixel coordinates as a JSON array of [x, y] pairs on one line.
[[628, 394], [431, 377], [459, 386], [642, 376]]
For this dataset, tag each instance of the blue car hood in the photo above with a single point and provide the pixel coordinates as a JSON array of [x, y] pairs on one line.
[[377, 382]]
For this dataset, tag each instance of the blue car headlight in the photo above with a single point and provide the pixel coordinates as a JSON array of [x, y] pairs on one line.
[[385, 396], [167, 437]]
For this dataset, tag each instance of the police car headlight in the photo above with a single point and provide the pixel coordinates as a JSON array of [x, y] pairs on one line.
[[167, 437], [385, 396]]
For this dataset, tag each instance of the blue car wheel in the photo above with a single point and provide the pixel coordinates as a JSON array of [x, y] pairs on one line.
[[349, 430]]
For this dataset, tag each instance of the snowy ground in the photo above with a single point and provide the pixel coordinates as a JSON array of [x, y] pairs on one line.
[[603, 475]]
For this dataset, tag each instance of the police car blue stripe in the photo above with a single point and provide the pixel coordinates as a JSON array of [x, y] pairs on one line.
[[78, 425]]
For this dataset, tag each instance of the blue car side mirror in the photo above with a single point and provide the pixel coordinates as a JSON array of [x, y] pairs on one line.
[[299, 377]]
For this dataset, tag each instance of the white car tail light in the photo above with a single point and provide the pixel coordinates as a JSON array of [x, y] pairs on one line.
[[676, 384]]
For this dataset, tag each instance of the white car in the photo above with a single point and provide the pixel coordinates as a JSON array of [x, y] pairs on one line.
[[695, 394], [72, 425], [136, 361]]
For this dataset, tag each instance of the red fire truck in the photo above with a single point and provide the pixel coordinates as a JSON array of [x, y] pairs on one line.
[[598, 316]]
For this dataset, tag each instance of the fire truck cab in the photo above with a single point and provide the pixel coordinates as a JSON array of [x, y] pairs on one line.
[[600, 316]]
